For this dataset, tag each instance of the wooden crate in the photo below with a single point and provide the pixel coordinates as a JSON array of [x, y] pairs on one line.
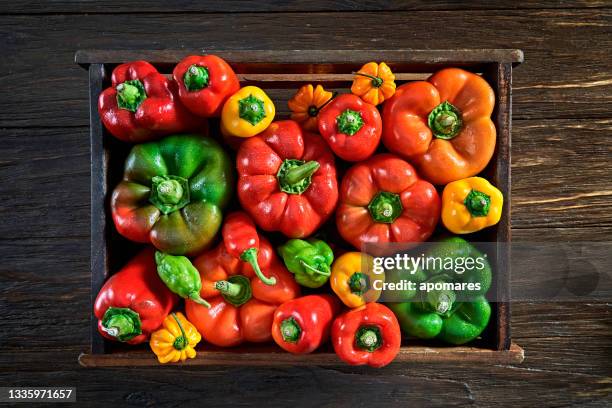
[[281, 73]]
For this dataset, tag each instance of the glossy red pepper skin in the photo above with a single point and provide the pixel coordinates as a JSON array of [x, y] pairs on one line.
[[373, 315], [259, 160], [364, 142], [313, 315], [222, 84], [418, 214], [226, 325], [137, 287], [239, 234], [159, 114]]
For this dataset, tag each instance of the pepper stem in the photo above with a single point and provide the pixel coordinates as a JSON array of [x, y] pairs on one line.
[[130, 95], [235, 290], [368, 338], [181, 341], [250, 256], [477, 203], [358, 283], [445, 121], [121, 323], [376, 81], [196, 298], [294, 176], [169, 193], [385, 207], [349, 122], [299, 173], [290, 330], [315, 270], [251, 109], [196, 78]]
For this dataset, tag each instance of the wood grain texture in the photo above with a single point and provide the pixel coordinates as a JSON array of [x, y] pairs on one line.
[[561, 182]]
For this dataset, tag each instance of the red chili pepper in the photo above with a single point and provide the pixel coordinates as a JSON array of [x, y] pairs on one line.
[[383, 200], [142, 105], [134, 302], [205, 83], [368, 335], [242, 241], [351, 126], [301, 325], [287, 179]]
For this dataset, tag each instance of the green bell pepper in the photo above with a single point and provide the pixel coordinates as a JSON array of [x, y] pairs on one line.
[[309, 260], [442, 314], [172, 193]]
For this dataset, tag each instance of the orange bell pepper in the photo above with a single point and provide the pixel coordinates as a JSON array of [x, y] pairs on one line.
[[442, 125], [374, 83], [241, 305], [306, 104]]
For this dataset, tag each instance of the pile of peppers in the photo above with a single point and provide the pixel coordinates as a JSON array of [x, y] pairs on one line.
[[277, 245]]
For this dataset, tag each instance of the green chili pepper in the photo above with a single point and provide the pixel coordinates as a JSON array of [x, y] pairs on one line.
[[180, 276], [309, 260]]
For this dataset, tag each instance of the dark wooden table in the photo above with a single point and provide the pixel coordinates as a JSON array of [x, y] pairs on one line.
[[562, 164]]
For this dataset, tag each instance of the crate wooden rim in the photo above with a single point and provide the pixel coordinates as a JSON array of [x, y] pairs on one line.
[[332, 66]]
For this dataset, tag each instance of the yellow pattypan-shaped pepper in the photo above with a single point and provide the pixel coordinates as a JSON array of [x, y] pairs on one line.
[[176, 340], [352, 279], [247, 113], [374, 83], [471, 204]]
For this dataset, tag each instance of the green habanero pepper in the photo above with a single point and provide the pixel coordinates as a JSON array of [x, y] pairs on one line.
[[172, 193], [180, 276], [444, 314], [309, 260]]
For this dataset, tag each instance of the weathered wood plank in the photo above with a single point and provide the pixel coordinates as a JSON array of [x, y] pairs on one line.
[[272, 6], [580, 87]]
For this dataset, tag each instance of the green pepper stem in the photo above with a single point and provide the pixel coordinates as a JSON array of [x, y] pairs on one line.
[[368, 338], [299, 173], [235, 290], [349, 122], [169, 191], [290, 330], [196, 298], [315, 270], [376, 81], [181, 341], [250, 256], [251, 109], [445, 121], [196, 78], [477, 203], [121, 323], [385, 207], [358, 283], [130, 94]]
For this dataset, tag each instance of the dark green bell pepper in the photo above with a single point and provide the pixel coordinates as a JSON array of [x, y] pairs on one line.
[[309, 260], [172, 193], [446, 315]]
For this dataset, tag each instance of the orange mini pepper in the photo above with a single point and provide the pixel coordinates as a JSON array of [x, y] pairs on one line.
[[352, 279], [374, 83], [176, 340], [306, 104], [470, 205], [443, 125]]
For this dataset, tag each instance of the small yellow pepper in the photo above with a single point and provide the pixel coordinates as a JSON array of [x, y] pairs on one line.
[[374, 83], [176, 340], [471, 204], [248, 112], [306, 104], [352, 279]]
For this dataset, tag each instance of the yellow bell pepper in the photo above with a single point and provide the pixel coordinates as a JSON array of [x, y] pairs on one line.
[[248, 112], [176, 340], [352, 279], [471, 204], [374, 83]]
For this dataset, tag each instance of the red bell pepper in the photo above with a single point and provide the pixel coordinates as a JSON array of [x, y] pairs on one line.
[[205, 83], [134, 302], [301, 325], [368, 335], [242, 306], [242, 241], [351, 126], [287, 179], [142, 105], [383, 200]]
